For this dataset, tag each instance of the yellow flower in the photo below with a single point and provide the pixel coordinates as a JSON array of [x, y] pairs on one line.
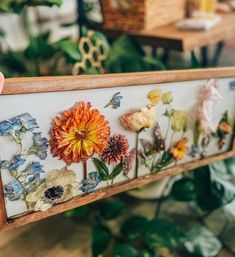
[[138, 120], [60, 186], [180, 149], [167, 97], [179, 121], [155, 95]]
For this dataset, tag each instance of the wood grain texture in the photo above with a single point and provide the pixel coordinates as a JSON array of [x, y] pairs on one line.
[[170, 37], [67, 83], [116, 189]]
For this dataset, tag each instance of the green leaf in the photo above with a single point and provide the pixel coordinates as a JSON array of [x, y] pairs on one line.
[[39, 48], [101, 237], [111, 209], [134, 227], [163, 233], [2, 33], [6, 72], [45, 2], [14, 61], [165, 161], [230, 164], [17, 6], [77, 212], [102, 169], [70, 48], [126, 55], [184, 190], [202, 242], [147, 253], [124, 250], [211, 191], [194, 61], [220, 169], [90, 71], [157, 64], [117, 170], [229, 210]]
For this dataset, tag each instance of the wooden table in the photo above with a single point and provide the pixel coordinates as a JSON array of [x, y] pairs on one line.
[[171, 38]]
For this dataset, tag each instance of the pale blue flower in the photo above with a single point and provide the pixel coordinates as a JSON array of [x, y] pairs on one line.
[[232, 85], [5, 127], [195, 151], [35, 168], [20, 123], [4, 164], [17, 161], [40, 146], [89, 184], [15, 124], [27, 121], [14, 191], [115, 102]]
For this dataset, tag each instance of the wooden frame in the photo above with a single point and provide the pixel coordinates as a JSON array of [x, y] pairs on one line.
[[59, 84]]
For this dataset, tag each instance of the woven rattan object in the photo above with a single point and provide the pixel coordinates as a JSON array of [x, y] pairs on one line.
[[141, 14]]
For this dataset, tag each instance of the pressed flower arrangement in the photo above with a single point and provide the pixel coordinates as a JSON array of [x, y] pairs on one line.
[[83, 145]]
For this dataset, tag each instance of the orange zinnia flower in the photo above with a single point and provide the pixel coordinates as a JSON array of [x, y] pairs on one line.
[[180, 149], [79, 133]]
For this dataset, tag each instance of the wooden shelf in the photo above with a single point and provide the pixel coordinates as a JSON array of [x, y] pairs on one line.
[[170, 37]]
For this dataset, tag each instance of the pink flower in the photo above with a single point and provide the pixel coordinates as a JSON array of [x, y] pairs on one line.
[[117, 149], [205, 117], [210, 91], [128, 161], [1, 82]]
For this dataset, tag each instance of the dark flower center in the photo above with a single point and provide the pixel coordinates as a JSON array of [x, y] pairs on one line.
[[54, 193], [81, 134], [115, 146]]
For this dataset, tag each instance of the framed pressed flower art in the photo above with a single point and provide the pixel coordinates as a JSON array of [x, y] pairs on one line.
[[69, 141]]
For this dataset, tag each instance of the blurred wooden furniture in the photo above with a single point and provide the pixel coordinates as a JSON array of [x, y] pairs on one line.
[[141, 14], [171, 38]]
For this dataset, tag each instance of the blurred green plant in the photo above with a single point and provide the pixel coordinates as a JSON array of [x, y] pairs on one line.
[[43, 57], [17, 6], [203, 190]]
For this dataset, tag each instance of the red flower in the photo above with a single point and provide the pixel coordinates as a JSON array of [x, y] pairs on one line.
[[117, 149]]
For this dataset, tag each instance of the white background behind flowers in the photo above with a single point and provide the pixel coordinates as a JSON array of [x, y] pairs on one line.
[[45, 106]]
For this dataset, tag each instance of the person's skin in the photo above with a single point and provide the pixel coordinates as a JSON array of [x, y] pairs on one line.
[[1, 82]]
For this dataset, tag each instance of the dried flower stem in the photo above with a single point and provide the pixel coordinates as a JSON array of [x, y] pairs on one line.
[[169, 123], [136, 154], [172, 138], [17, 179], [84, 170]]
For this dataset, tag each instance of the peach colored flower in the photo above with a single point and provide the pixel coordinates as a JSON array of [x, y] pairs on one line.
[[225, 128], [180, 149], [79, 133], [138, 120]]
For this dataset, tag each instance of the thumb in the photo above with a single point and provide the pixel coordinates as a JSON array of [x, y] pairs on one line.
[[1, 82]]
